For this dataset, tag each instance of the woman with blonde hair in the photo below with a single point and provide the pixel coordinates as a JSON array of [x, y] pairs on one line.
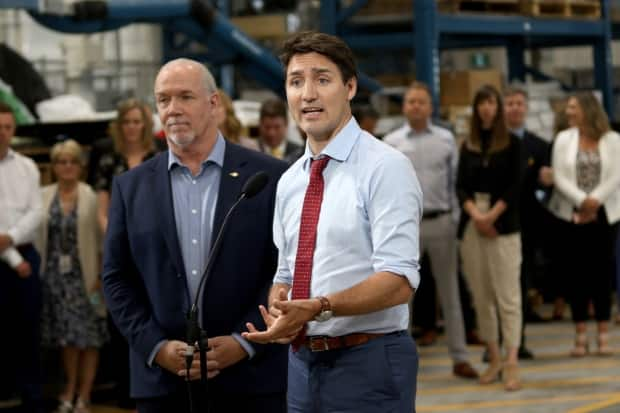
[[230, 125], [69, 242], [586, 197], [132, 133], [488, 186]]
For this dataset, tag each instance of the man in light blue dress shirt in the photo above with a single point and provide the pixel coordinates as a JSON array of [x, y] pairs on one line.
[[432, 151], [356, 355]]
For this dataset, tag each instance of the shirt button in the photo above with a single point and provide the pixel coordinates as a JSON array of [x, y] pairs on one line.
[[194, 182], [179, 275], [194, 241], [194, 211], [194, 272]]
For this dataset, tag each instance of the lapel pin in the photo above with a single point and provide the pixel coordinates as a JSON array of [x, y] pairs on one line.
[[234, 174]]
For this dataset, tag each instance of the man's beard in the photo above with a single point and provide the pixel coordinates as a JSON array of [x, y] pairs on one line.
[[182, 140]]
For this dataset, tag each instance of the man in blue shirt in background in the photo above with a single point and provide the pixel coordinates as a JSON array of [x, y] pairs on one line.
[[348, 247]]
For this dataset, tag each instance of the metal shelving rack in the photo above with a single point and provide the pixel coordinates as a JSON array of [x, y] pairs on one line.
[[429, 31]]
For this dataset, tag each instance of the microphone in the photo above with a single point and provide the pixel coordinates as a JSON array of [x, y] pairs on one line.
[[254, 185]]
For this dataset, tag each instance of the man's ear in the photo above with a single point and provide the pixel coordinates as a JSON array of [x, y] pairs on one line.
[[351, 85]]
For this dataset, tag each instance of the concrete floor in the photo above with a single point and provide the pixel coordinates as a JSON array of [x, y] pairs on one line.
[[553, 382]]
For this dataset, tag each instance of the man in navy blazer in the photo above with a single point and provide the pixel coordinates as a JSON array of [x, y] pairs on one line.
[[163, 218]]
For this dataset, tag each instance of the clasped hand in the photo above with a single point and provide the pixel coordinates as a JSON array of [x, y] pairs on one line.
[[587, 211], [284, 320], [224, 351], [484, 224]]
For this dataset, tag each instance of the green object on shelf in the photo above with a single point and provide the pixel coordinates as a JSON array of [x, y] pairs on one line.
[[480, 60]]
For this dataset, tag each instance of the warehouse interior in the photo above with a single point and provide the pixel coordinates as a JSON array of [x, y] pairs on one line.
[[82, 58]]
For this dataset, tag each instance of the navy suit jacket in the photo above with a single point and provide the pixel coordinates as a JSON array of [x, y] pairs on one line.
[[144, 277]]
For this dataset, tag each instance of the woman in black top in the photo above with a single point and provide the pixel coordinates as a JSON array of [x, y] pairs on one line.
[[488, 188], [132, 133]]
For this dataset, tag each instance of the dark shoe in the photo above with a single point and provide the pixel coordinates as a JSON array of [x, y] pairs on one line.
[[465, 370], [534, 317], [473, 339], [428, 338], [525, 353]]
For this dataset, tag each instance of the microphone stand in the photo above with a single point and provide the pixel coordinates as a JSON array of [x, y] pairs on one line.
[[195, 335]]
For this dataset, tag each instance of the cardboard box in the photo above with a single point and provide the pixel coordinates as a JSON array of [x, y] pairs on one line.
[[459, 87], [265, 26]]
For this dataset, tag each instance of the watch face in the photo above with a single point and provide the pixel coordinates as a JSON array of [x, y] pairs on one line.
[[323, 316]]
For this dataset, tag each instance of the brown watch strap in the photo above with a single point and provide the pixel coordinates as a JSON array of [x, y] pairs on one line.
[[325, 304]]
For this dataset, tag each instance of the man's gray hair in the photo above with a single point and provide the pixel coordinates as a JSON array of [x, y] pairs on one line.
[[208, 81]]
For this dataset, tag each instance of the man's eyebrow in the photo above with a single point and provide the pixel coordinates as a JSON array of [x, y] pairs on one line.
[[316, 70]]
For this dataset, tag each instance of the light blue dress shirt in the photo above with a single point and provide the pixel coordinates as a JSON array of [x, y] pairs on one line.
[[518, 132], [434, 155], [369, 222], [194, 199]]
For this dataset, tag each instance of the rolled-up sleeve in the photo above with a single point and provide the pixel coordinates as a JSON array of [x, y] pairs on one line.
[[394, 213]]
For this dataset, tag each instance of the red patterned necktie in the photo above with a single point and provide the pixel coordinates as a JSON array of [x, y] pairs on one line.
[[307, 237]]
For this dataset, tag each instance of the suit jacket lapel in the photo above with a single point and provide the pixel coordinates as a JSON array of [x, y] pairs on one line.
[[163, 194], [231, 182]]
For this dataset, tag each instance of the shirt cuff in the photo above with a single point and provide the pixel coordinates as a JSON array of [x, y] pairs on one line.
[[14, 234], [153, 354], [245, 344], [12, 257]]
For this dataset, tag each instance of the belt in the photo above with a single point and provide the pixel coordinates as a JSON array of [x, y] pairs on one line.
[[325, 343], [22, 247], [434, 214]]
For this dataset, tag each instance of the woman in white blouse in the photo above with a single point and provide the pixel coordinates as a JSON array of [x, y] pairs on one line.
[[586, 164]]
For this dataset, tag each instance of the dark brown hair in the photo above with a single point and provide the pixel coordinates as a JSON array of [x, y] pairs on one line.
[[273, 108], [4, 108], [500, 138], [595, 120], [515, 90], [324, 44]]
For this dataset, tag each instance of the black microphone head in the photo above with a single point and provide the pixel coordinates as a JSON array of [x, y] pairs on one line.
[[254, 184]]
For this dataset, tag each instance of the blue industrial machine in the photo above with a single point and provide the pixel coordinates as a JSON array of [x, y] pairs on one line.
[[195, 20]]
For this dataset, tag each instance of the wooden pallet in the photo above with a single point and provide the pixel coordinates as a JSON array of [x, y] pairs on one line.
[[566, 9], [480, 6]]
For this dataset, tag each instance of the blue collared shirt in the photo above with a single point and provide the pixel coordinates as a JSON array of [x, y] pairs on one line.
[[518, 132], [434, 155], [369, 222], [194, 199]]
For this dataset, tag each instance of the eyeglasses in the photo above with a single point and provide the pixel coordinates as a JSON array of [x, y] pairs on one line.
[[67, 162]]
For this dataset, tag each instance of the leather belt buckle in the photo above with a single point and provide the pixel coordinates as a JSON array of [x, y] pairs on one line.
[[320, 343]]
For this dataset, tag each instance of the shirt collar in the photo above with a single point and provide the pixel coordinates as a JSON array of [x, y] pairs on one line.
[[9, 155], [216, 156], [518, 132], [341, 145], [411, 132]]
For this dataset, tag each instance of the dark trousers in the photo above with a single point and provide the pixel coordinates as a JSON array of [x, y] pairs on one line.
[[589, 266], [20, 311], [218, 403], [119, 350], [376, 377], [425, 302]]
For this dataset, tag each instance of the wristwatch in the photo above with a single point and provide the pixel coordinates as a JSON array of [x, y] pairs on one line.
[[326, 310]]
